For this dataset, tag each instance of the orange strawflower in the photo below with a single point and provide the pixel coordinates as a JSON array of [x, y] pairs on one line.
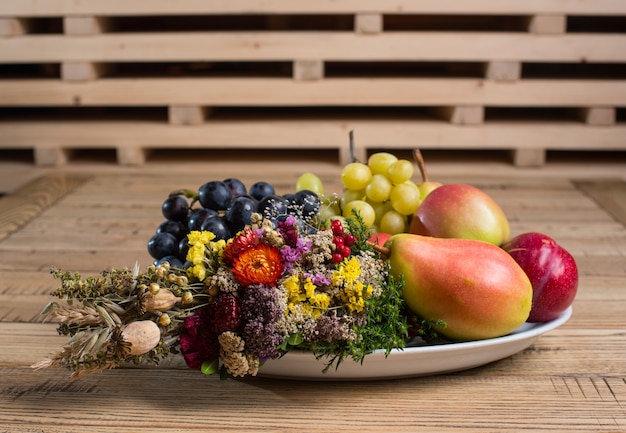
[[260, 264], [242, 242]]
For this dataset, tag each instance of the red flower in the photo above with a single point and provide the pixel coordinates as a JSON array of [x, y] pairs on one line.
[[242, 242], [258, 265], [198, 343]]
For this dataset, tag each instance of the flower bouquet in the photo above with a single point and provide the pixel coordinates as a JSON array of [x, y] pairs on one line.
[[278, 285]]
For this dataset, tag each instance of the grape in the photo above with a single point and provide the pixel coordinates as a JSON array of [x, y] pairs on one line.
[[329, 208], [400, 171], [356, 175], [350, 195], [393, 222], [218, 226], [379, 188], [380, 208], [405, 198], [239, 212], [289, 197], [363, 209], [380, 162], [311, 182], [197, 217], [261, 189], [163, 244], [305, 204], [174, 261], [236, 187], [175, 208], [214, 195], [175, 228], [272, 206], [183, 248]]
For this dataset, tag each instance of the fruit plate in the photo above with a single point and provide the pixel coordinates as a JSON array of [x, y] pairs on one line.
[[412, 361]]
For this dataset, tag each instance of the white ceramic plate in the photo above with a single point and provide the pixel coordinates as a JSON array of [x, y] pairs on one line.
[[412, 361]]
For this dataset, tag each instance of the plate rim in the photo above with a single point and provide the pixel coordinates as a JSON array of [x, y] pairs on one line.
[[520, 339], [536, 329]]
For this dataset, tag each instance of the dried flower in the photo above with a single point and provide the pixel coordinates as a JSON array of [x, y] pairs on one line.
[[258, 265], [143, 336], [271, 288]]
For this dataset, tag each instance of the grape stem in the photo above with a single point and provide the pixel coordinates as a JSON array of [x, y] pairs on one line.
[[421, 165], [184, 192]]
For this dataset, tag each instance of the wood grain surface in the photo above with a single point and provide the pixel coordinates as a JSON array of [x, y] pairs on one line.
[[572, 379]]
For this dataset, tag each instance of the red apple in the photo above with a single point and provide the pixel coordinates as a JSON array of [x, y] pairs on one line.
[[379, 238], [551, 270]]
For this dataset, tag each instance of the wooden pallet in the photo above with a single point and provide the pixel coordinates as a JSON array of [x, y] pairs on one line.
[[134, 76]]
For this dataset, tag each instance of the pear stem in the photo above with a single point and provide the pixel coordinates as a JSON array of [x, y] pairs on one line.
[[421, 165], [351, 135], [380, 249]]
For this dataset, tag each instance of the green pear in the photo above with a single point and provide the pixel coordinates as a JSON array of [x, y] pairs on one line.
[[461, 211], [475, 287]]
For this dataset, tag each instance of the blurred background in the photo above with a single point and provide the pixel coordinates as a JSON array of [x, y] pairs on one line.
[[129, 83]]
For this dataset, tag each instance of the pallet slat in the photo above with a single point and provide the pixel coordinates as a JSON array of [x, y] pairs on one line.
[[332, 46], [330, 91], [323, 133], [186, 62], [181, 7]]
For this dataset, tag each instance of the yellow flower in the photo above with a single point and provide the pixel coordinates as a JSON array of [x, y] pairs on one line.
[[292, 284], [202, 237], [347, 273], [353, 292], [198, 241], [304, 297]]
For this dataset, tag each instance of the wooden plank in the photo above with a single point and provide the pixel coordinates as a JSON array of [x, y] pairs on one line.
[[547, 24], [315, 133], [26, 203], [529, 157], [308, 70], [462, 114], [503, 70], [83, 71], [186, 114], [184, 7], [84, 25], [12, 26], [329, 91], [337, 46], [130, 154], [124, 400], [50, 155], [369, 24], [599, 116], [609, 194]]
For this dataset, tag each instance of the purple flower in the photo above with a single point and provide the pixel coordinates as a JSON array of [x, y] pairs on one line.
[[319, 280], [293, 254], [262, 309], [288, 231]]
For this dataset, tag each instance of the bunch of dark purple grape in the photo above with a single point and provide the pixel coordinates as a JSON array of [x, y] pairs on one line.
[[223, 208]]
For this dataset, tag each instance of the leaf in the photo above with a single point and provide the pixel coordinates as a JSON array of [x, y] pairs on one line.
[[295, 339], [210, 367]]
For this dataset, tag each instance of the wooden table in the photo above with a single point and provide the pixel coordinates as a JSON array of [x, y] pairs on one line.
[[571, 379]]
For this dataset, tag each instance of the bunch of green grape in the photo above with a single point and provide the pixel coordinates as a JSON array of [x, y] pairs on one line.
[[381, 191]]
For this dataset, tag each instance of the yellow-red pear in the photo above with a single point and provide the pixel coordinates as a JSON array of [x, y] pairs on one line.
[[474, 286], [461, 211]]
